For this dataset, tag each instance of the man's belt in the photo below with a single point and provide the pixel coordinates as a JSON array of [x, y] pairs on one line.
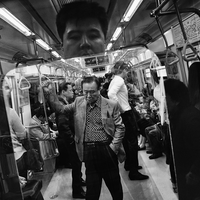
[[97, 143]]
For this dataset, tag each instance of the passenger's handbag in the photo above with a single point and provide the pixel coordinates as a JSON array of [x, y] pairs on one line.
[[33, 159], [32, 189], [48, 148]]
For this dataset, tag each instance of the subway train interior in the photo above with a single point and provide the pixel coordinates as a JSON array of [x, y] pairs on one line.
[[158, 39]]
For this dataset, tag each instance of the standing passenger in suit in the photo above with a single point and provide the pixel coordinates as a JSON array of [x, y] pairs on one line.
[[98, 136]]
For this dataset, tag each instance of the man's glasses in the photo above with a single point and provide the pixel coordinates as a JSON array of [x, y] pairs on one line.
[[91, 92]]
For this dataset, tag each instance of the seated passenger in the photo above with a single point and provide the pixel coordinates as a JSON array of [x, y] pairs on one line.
[[148, 119], [18, 132], [153, 132], [39, 127]]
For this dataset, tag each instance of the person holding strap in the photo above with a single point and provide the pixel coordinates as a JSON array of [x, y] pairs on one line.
[[65, 140], [98, 136]]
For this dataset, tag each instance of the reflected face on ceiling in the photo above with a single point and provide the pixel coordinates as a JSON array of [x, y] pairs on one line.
[[82, 38]]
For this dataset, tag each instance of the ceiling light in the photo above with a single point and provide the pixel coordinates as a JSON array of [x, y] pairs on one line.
[[54, 53], [13, 21], [109, 46], [117, 33], [130, 11], [43, 44]]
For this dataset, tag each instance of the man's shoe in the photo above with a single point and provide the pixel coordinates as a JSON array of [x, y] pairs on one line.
[[137, 176], [139, 167], [149, 151], [141, 148], [127, 168], [83, 182], [154, 156], [80, 195]]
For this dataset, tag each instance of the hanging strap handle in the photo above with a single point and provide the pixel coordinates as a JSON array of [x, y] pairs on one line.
[[168, 53], [155, 63], [185, 57], [21, 84]]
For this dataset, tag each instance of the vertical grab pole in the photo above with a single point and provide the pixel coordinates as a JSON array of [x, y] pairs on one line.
[[44, 103]]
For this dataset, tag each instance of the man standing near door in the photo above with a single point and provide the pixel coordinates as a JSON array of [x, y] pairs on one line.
[[118, 91]]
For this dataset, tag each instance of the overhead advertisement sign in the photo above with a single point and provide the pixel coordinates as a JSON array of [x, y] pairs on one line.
[[97, 61], [192, 28]]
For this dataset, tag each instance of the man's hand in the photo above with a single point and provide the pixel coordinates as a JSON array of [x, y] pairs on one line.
[[54, 134], [48, 88], [113, 148], [22, 181]]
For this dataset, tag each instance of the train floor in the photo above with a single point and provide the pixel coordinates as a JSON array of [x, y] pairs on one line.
[[157, 187]]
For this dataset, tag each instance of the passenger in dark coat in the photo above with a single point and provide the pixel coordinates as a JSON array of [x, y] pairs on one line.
[[185, 128], [65, 140]]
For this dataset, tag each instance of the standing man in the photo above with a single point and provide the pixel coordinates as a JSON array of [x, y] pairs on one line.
[[98, 136], [118, 91], [66, 144]]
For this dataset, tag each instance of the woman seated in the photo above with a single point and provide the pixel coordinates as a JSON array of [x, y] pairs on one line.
[[38, 127], [18, 132]]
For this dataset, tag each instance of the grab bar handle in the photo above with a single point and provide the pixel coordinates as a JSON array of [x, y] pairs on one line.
[[174, 61], [185, 57]]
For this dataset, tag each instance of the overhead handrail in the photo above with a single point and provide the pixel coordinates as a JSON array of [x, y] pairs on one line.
[[170, 12], [29, 60], [158, 9], [157, 12], [21, 84]]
